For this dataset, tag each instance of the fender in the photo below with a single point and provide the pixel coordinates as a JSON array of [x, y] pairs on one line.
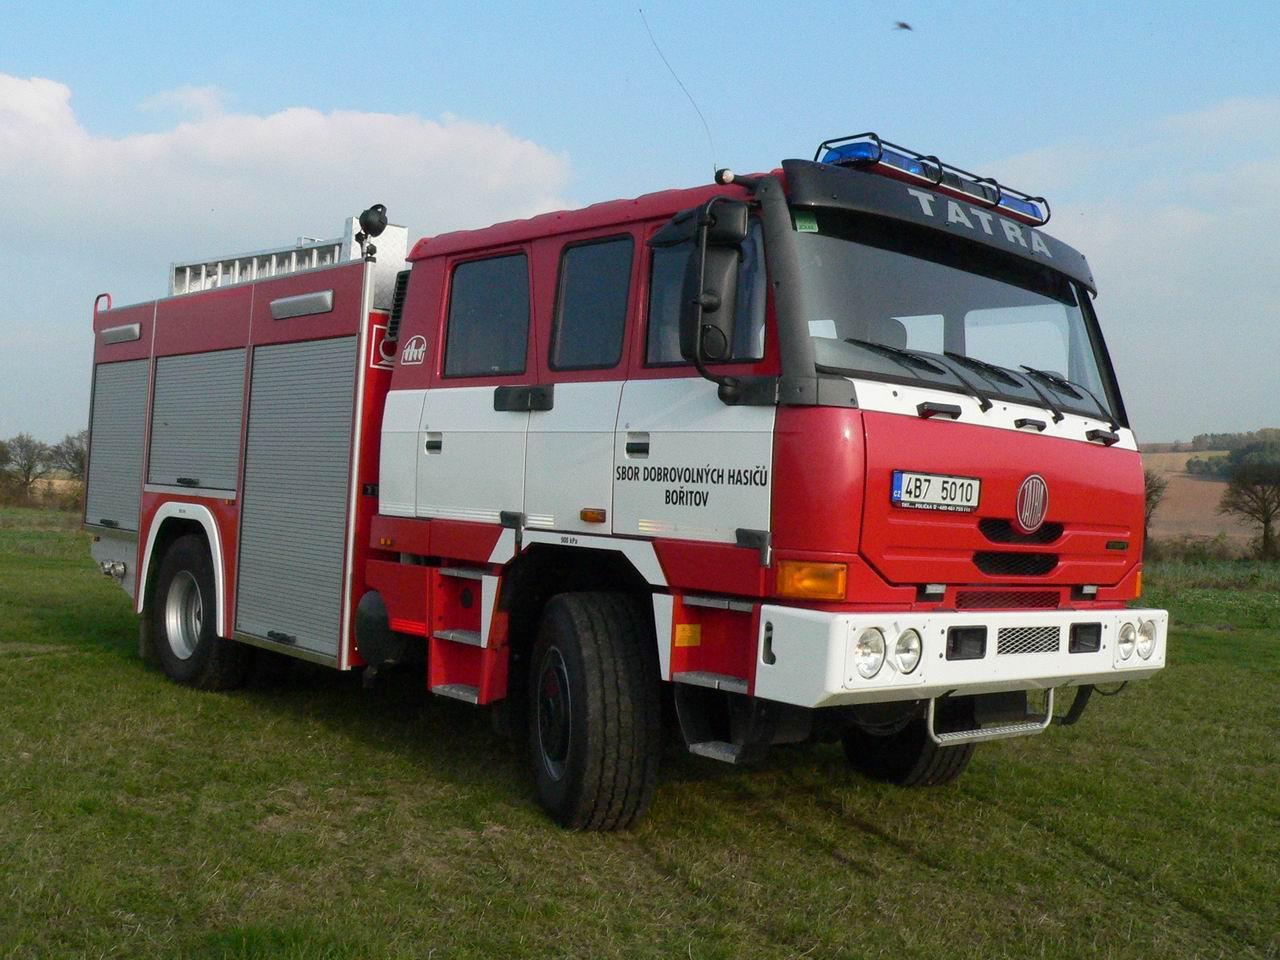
[[200, 514]]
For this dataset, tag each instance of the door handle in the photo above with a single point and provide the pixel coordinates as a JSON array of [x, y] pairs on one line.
[[434, 444], [519, 399], [637, 445]]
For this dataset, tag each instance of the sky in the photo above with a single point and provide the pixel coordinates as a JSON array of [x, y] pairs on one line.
[[133, 135]]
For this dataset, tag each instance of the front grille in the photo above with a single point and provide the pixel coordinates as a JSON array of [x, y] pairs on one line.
[[1028, 640], [998, 563], [1006, 599], [998, 530]]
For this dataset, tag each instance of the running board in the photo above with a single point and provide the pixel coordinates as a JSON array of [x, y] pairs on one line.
[[470, 637], [716, 681], [1003, 731], [458, 691], [716, 750]]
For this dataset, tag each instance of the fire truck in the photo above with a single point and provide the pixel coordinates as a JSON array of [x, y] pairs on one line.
[[834, 452]]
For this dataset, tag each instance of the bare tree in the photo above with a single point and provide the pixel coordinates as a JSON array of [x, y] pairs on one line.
[[29, 462], [1254, 494], [1156, 487], [70, 454]]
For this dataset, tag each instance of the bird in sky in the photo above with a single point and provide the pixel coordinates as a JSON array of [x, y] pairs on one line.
[[901, 25]]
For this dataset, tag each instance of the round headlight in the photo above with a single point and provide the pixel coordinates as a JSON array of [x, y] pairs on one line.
[[868, 653], [1128, 637], [906, 652], [1146, 639]]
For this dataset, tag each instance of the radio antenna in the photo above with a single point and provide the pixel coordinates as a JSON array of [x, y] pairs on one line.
[[711, 147]]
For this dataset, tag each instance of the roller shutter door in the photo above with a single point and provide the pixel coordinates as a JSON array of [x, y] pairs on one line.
[[115, 444], [196, 411], [294, 500]]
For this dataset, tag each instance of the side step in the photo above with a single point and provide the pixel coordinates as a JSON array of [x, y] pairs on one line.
[[458, 691], [717, 750], [1002, 731], [470, 637], [714, 681]]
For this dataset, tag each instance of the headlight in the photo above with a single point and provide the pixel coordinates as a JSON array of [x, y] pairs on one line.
[[1146, 639], [868, 653], [1128, 636], [906, 652]]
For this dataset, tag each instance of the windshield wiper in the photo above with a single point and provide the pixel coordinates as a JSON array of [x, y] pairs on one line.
[[904, 357], [1069, 387], [999, 373], [923, 363]]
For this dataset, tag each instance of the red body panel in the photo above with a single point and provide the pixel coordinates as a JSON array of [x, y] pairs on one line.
[[1095, 492]]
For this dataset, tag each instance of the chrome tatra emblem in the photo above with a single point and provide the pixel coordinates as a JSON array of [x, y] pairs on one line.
[[1033, 503]]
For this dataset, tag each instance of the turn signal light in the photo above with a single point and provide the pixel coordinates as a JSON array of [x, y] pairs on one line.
[[812, 581], [592, 515]]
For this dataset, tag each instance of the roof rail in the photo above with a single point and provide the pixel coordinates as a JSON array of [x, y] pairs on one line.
[[868, 149]]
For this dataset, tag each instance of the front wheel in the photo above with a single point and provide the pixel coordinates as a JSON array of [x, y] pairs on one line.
[[907, 757], [595, 718], [184, 621]]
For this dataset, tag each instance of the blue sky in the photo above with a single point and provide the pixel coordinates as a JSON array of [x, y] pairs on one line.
[[162, 132]]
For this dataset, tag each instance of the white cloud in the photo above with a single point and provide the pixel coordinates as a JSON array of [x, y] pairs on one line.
[[86, 213], [200, 101]]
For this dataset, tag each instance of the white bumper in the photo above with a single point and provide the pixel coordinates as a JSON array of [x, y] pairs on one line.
[[805, 657]]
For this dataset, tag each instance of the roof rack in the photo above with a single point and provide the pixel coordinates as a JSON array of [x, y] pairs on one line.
[[868, 149], [192, 276]]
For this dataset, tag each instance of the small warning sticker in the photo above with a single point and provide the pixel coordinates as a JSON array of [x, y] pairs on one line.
[[688, 634]]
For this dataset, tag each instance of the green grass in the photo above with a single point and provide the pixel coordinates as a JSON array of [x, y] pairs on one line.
[[306, 817]]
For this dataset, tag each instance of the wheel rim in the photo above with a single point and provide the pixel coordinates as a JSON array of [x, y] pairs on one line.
[[555, 724], [183, 615]]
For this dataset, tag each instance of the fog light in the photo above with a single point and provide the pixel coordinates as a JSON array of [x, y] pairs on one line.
[[906, 652], [868, 653], [1085, 638], [1146, 639], [1125, 643]]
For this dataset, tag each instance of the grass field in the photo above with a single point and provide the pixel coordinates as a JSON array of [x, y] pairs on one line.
[[307, 817]]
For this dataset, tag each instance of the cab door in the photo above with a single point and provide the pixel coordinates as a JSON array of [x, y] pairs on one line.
[[475, 416], [587, 296], [686, 465]]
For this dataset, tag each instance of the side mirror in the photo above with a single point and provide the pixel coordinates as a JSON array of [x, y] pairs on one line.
[[709, 295]]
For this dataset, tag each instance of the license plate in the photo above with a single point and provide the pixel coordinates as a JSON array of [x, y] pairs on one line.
[[935, 491]]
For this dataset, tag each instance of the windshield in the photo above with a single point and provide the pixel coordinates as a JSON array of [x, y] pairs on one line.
[[893, 301]]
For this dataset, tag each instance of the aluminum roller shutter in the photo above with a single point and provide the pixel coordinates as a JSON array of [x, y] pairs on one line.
[[116, 434], [196, 409], [294, 502]]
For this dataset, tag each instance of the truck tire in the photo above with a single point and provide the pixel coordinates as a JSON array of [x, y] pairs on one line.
[[907, 758], [184, 621], [595, 716]]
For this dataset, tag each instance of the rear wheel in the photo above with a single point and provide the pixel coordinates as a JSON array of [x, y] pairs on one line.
[[595, 717], [907, 757], [184, 621]]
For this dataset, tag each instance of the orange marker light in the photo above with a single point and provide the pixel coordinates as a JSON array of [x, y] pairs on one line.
[[812, 581], [592, 514], [1137, 585]]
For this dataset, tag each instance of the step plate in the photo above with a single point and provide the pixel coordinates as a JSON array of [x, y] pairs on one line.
[[716, 681], [458, 691], [1005, 731]]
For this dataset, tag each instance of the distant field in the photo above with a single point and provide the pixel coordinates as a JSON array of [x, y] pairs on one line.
[[306, 817], [1190, 505]]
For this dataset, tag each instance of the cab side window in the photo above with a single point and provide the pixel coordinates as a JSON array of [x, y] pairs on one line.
[[488, 331], [591, 305], [666, 281]]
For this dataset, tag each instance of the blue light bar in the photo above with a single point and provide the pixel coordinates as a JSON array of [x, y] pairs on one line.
[[867, 149]]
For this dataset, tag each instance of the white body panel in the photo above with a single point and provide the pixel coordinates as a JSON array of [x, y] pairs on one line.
[[901, 398], [813, 664], [398, 454], [709, 468], [478, 471], [570, 457]]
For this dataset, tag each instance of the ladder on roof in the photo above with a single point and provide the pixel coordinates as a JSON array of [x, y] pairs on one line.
[[192, 276]]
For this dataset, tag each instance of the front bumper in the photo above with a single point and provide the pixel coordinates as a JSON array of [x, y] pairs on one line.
[[805, 657]]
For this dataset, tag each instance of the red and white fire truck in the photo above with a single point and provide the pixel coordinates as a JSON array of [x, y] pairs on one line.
[[832, 452]]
